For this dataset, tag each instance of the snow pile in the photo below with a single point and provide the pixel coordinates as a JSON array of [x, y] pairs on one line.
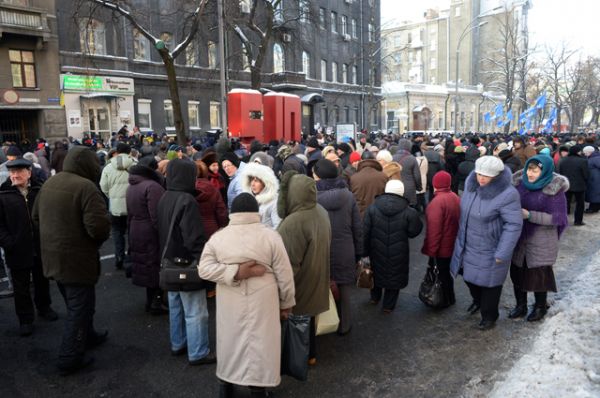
[[564, 360]]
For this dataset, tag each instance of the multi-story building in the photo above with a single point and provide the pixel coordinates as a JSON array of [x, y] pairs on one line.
[[327, 53], [29, 71], [424, 60]]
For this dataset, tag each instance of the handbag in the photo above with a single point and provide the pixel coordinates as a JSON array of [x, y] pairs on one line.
[[295, 335], [178, 274], [431, 292], [365, 274], [328, 321], [335, 290]]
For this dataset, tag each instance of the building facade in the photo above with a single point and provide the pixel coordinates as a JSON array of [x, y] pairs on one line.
[[29, 71], [445, 47], [111, 75]]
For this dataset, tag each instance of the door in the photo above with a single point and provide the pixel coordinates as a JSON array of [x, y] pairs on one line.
[[100, 120]]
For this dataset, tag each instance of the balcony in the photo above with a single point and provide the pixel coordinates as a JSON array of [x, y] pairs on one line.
[[23, 21], [288, 80]]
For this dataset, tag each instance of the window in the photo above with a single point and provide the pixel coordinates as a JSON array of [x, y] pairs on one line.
[[191, 54], [355, 74], [278, 61], [371, 32], [22, 66], [306, 63], [92, 37], [354, 29], [245, 6], [169, 117], [304, 10], [323, 70], [193, 118], [167, 38], [322, 18], [397, 40], [215, 111], [347, 114], [333, 22], [141, 46], [374, 117], [212, 55], [356, 115], [278, 12], [344, 73], [457, 11], [144, 119], [409, 38], [344, 25], [334, 71]]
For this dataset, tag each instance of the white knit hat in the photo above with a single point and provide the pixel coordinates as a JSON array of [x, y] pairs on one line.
[[395, 187], [489, 166], [586, 149], [385, 155]]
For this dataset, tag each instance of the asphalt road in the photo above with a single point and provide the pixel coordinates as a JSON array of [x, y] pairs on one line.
[[414, 352]]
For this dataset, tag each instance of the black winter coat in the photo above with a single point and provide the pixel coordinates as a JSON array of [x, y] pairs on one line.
[[575, 168], [346, 228], [389, 223], [18, 237], [188, 238]]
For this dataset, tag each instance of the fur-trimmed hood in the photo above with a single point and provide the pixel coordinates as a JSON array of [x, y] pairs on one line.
[[558, 184], [266, 175], [494, 188]]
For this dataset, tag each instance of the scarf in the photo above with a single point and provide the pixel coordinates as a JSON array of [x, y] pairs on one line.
[[547, 166], [556, 205], [215, 180]]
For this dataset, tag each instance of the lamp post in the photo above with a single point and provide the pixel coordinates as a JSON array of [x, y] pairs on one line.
[[467, 30]]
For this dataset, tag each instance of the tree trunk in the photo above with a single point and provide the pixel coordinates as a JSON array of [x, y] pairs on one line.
[[255, 78], [169, 63]]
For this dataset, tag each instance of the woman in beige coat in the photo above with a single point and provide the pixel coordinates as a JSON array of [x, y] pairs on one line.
[[255, 286]]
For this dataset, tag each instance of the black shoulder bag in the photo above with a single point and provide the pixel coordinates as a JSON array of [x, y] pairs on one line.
[[178, 274], [431, 292]]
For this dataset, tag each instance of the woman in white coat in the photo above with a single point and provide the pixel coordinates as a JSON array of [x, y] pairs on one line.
[[255, 288], [261, 182]]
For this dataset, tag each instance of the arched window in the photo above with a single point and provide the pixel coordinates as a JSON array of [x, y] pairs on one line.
[[141, 46], [92, 36], [212, 55], [306, 63], [278, 61]]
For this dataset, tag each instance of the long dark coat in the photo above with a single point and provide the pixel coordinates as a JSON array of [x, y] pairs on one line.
[[592, 193], [346, 228], [143, 194], [575, 168], [389, 223]]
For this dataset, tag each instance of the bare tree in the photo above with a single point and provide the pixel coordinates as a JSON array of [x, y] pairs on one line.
[[506, 68], [190, 23], [591, 73], [556, 76]]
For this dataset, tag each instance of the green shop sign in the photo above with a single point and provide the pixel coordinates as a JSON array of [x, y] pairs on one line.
[[74, 82]]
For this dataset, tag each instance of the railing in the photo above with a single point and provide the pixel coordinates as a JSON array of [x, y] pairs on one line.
[[14, 17]]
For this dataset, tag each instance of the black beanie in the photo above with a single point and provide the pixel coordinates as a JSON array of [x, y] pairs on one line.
[[14, 151], [244, 203], [232, 157], [313, 143], [325, 168], [123, 148]]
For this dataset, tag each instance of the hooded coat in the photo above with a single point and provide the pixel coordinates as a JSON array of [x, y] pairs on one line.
[[490, 226], [188, 237], [114, 183], [73, 221], [575, 168], [142, 199], [411, 173], [368, 182], [306, 234], [18, 236], [346, 228], [212, 208], [466, 167], [434, 164], [388, 224], [267, 198], [592, 193], [443, 215], [248, 311]]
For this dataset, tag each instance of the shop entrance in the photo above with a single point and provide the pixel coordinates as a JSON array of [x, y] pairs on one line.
[[18, 125], [99, 118]]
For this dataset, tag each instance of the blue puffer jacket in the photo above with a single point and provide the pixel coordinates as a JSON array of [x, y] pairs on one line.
[[490, 226], [592, 193]]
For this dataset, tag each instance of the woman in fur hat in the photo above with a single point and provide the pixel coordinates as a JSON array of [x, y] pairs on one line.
[[261, 182]]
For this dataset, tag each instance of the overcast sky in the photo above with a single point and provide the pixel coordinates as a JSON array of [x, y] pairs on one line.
[[550, 21]]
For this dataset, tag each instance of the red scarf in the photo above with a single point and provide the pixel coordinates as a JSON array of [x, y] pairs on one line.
[[215, 180]]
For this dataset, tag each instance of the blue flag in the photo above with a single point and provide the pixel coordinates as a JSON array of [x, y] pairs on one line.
[[509, 115], [552, 114], [540, 103], [500, 123], [531, 111], [528, 124], [487, 117], [549, 125], [522, 117], [522, 131], [499, 111]]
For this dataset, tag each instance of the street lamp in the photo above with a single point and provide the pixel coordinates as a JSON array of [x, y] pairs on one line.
[[467, 30]]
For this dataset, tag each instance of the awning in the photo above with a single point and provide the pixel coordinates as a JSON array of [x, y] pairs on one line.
[[99, 95], [312, 98], [420, 108]]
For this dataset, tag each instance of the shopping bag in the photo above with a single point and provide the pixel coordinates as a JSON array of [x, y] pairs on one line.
[[430, 291], [328, 321], [295, 334]]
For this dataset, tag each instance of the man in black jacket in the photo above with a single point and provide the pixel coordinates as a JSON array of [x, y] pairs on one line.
[[575, 168], [20, 241]]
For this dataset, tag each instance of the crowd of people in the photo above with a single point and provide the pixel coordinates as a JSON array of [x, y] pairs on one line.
[[277, 226]]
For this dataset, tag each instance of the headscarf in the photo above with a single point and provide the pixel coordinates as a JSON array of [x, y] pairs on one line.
[[545, 163]]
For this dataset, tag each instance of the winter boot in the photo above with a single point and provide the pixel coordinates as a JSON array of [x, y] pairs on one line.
[[520, 309], [540, 308], [225, 389]]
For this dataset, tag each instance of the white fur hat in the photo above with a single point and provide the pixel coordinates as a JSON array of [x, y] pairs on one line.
[[489, 166], [395, 187], [385, 155]]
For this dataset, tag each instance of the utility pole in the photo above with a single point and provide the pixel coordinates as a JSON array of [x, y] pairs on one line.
[[223, 82]]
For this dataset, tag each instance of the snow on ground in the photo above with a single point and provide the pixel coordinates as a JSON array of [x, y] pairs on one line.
[[564, 360]]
